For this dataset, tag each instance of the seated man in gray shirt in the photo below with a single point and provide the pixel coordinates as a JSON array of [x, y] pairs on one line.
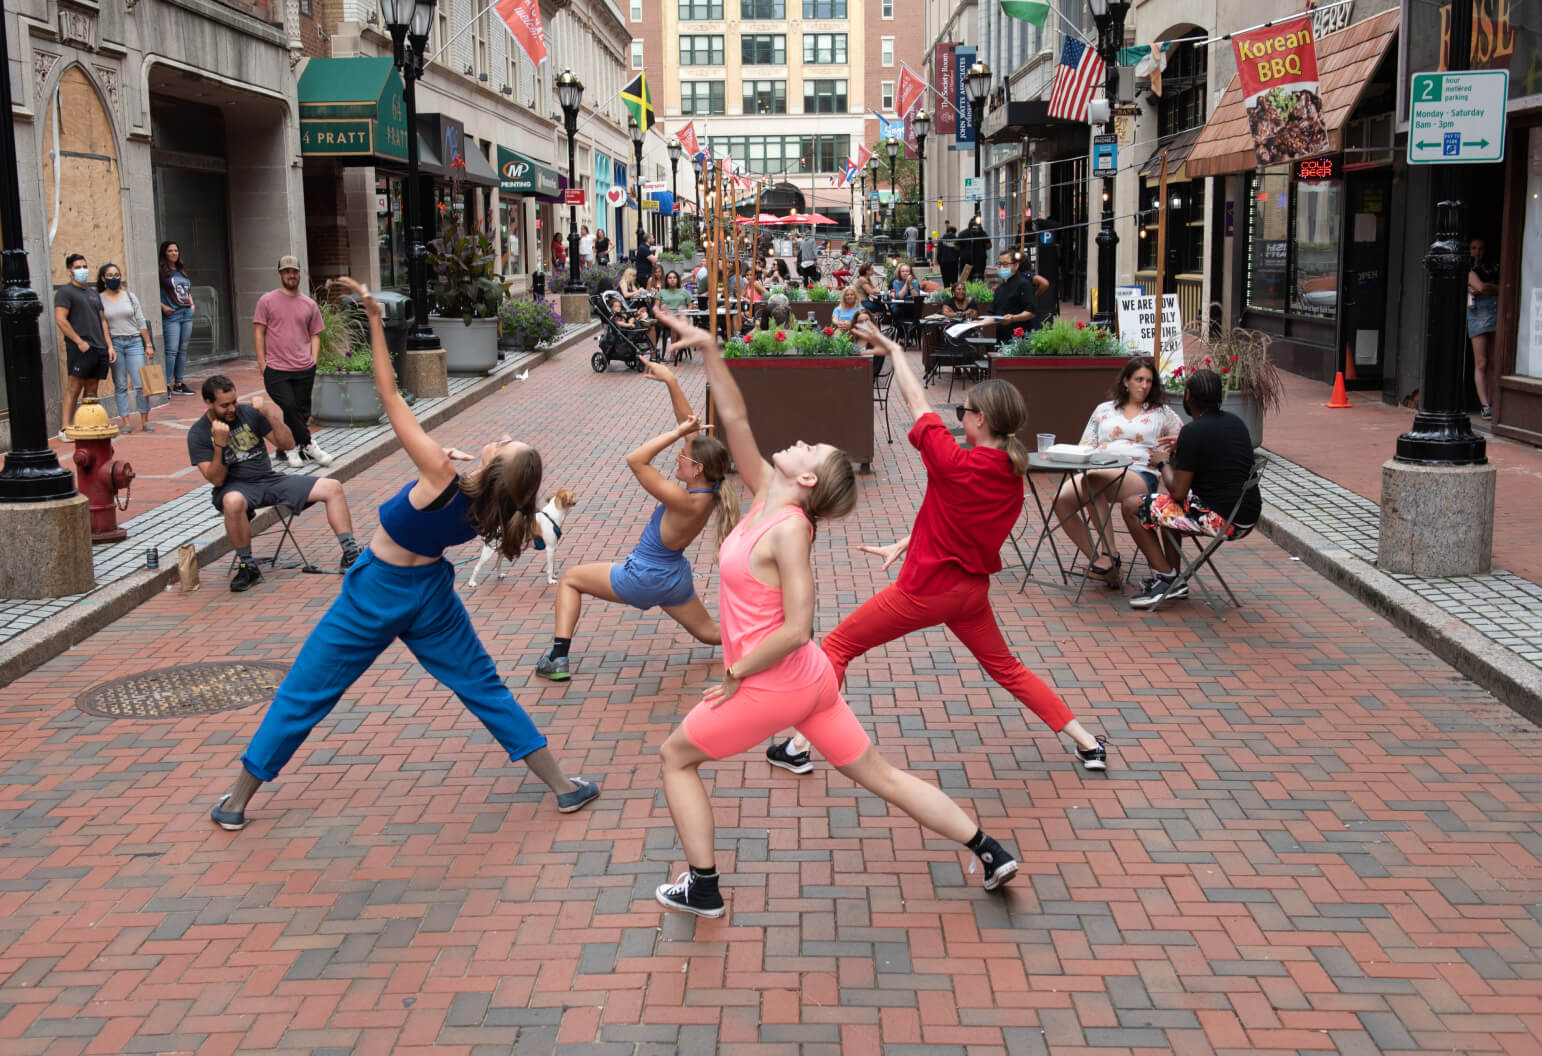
[[227, 445]]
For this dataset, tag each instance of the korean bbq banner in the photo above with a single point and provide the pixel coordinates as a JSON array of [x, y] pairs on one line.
[[1278, 68]]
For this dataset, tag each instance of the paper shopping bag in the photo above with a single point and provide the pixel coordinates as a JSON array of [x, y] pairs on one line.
[[152, 379], [187, 565]]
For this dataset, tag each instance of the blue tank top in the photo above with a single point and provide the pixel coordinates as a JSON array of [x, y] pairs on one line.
[[651, 546], [428, 533]]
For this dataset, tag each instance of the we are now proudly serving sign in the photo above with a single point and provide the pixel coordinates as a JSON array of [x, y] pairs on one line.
[[1138, 325]]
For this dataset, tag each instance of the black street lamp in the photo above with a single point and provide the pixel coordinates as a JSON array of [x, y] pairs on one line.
[[1109, 17], [408, 22], [872, 173], [922, 123], [675, 151], [637, 132], [892, 147], [978, 83], [570, 96], [32, 472]]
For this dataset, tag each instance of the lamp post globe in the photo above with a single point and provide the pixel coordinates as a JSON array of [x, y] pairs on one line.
[[570, 96]]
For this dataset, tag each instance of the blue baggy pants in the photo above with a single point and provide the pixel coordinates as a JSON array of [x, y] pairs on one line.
[[381, 602]]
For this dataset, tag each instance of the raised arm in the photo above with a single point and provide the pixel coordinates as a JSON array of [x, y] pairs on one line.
[[432, 461], [640, 462], [677, 401], [910, 387], [734, 420]]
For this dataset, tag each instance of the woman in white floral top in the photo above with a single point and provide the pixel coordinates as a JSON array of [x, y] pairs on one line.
[[1131, 424]]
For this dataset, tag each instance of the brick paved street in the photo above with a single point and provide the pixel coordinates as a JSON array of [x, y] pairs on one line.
[[1313, 836]]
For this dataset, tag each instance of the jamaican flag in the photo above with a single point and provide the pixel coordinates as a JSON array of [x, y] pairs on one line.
[[635, 96]]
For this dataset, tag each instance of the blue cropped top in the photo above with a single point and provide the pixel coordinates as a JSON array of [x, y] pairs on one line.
[[428, 532]]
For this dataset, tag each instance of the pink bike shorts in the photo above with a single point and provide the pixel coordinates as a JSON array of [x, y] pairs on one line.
[[755, 713]]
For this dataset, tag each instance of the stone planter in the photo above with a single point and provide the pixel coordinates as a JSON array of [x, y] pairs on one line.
[[1238, 402], [809, 398], [346, 399], [467, 349], [1060, 391], [573, 307], [824, 311]]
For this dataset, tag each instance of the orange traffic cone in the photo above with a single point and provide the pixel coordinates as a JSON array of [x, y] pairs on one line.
[[1339, 399]]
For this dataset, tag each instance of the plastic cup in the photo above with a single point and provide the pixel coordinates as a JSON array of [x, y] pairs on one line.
[[1046, 441]]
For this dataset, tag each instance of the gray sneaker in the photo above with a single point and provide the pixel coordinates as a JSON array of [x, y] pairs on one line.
[[555, 670], [579, 797]]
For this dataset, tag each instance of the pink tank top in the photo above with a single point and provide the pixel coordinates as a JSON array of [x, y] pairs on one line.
[[750, 610]]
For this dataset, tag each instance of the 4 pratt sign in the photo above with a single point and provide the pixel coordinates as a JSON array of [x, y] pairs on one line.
[[337, 137]]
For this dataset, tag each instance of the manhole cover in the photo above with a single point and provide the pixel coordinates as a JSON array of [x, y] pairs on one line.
[[172, 692]]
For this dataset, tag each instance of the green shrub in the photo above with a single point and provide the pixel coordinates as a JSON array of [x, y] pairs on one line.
[[820, 293], [981, 292], [344, 339], [464, 280]]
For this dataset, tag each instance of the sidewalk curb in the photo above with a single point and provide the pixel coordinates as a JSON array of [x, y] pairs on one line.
[[60, 632], [1516, 682]]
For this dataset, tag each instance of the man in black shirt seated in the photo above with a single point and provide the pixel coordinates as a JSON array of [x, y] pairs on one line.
[[1017, 295], [1211, 461]]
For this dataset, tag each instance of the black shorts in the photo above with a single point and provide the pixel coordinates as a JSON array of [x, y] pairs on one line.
[[281, 489], [92, 363]]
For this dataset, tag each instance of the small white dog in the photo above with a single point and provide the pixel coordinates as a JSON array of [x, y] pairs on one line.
[[548, 523]]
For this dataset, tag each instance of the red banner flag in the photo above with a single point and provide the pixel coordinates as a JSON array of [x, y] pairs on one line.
[[911, 89], [945, 84], [523, 18], [1278, 70], [687, 138]]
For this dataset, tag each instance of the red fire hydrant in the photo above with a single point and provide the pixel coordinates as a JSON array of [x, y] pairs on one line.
[[98, 475]]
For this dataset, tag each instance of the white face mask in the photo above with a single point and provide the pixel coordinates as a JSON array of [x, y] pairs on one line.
[[81, 274]]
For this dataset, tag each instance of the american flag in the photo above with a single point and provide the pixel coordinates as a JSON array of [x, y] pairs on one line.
[[1077, 76]]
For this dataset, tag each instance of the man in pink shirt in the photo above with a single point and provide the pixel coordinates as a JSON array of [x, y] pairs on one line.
[[286, 329]]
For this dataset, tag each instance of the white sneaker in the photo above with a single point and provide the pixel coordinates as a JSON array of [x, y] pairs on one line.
[[314, 452], [292, 456]]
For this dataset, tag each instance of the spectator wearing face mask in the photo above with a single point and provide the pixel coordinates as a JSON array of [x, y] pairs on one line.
[[1015, 297]]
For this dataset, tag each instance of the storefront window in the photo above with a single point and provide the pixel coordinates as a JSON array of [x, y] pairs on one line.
[[1268, 239], [1528, 338], [391, 236], [1293, 244], [1185, 216], [1319, 207]]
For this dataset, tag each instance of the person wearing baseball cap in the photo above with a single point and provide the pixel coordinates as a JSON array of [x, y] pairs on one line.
[[286, 328]]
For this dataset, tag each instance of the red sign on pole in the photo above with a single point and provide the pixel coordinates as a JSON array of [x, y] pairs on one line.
[[1278, 70], [573, 196]]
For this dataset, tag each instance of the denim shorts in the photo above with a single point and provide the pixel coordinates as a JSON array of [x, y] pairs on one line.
[[1483, 316], [643, 584]]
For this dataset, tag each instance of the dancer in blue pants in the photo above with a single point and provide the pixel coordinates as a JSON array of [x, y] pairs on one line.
[[402, 587]]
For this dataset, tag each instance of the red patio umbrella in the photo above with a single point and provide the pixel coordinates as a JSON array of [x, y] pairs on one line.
[[763, 218]]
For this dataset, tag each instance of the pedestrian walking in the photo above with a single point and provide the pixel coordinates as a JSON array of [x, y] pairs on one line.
[[656, 572], [774, 675], [974, 247], [946, 254], [88, 356], [912, 241], [808, 258], [286, 329], [130, 336], [177, 311], [402, 587], [559, 254]]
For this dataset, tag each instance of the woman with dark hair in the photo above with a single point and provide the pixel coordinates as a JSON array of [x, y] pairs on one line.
[[176, 315], [601, 248], [1131, 423], [867, 287], [673, 296], [974, 495], [774, 676], [961, 306], [402, 587], [656, 572], [1482, 321], [130, 337]]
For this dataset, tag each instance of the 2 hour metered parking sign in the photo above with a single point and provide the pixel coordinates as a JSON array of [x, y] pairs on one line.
[[1457, 116]]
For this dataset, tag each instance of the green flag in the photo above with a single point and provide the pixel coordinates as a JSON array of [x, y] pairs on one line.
[[1035, 11], [635, 96]]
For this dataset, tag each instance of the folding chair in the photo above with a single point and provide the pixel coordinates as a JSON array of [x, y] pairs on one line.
[[1207, 545], [286, 518], [881, 383]]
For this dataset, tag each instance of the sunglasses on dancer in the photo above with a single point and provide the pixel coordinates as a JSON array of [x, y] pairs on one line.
[[683, 457], [963, 409]]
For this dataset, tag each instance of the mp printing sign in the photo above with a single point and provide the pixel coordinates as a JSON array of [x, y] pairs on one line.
[[1138, 325]]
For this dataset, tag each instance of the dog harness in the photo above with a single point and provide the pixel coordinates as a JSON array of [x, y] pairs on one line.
[[540, 543]]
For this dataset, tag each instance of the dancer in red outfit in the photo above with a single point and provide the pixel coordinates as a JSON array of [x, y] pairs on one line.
[[974, 496]]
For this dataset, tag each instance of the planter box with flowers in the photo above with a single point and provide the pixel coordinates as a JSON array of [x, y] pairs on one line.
[[344, 392], [807, 384], [1253, 385], [468, 292], [524, 325], [1063, 371]]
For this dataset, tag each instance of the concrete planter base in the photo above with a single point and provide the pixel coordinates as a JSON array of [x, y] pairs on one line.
[[1242, 404], [467, 349], [817, 400], [423, 372], [346, 400], [573, 307], [56, 559]]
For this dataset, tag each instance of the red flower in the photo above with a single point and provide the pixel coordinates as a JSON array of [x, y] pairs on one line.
[[1225, 370], [1177, 372], [1018, 332], [829, 331], [781, 335], [1234, 359], [1080, 325], [1207, 360]]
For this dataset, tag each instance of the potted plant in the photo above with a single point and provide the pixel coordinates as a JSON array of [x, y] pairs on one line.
[[1063, 371], [1254, 386], [468, 292], [344, 393], [981, 291], [805, 384], [524, 325]]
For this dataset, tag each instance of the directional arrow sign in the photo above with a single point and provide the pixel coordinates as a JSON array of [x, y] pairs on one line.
[[1457, 117]]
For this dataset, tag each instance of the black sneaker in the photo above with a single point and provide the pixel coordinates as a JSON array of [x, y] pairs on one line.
[[349, 557], [686, 896], [1158, 589], [552, 670], [1095, 758], [246, 577], [229, 820], [998, 864], [782, 755]]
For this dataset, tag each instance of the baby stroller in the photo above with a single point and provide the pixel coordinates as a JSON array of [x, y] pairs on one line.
[[621, 339]]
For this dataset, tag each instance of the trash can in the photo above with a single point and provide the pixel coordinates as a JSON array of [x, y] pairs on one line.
[[395, 319], [538, 284]]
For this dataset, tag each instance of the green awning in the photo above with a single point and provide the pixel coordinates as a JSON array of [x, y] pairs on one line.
[[517, 174], [352, 110]]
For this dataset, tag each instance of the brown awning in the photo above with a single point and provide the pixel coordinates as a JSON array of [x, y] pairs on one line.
[[1346, 62], [1178, 150]]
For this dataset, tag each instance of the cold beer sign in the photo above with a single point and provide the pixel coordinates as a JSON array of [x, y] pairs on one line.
[[1278, 70]]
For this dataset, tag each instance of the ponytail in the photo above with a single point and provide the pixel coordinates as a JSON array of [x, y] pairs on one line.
[[727, 512], [716, 461], [1004, 411], [1017, 452], [503, 494]]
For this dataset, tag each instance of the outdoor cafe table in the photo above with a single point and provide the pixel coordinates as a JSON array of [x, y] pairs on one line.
[[1057, 473]]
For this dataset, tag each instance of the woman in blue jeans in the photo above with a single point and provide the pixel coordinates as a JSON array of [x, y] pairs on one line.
[[130, 337], [176, 316]]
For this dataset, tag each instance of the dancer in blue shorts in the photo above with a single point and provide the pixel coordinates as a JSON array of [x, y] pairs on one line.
[[656, 571], [402, 587]]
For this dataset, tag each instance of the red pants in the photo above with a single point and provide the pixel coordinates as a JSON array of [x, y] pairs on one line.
[[966, 611]]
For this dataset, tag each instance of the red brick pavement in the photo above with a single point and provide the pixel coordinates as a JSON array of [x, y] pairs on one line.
[[1314, 837]]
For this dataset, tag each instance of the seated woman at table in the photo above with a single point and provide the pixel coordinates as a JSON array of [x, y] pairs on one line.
[[627, 284], [673, 295], [961, 305], [846, 311], [867, 287], [861, 345], [905, 283], [1131, 424]]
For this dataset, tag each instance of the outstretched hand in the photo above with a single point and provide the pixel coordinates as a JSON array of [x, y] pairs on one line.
[[653, 370], [687, 334], [890, 553], [716, 696], [690, 426], [359, 290], [870, 333]]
